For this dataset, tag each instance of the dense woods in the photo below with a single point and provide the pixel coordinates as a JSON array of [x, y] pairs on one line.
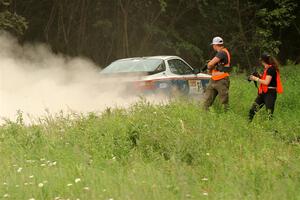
[[104, 30]]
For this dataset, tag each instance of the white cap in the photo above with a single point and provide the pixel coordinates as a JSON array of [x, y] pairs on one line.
[[217, 40]]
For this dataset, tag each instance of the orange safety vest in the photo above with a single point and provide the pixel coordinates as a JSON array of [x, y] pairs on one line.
[[216, 74], [264, 88]]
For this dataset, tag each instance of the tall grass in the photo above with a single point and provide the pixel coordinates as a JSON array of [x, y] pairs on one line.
[[174, 151]]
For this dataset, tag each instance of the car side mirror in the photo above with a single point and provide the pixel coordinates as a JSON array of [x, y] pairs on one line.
[[196, 70]]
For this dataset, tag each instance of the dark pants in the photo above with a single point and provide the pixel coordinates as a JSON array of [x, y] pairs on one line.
[[214, 88], [268, 99]]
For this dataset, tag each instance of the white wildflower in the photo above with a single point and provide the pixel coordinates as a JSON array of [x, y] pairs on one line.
[[42, 159], [50, 164], [77, 180], [111, 199], [31, 199], [57, 198], [204, 179], [17, 186], [31, 176], [86, 188], [205, 193], [40, 185], [25, 183], [207, 154], [4, 183], [6, 195], [43, 165], [70, 184], [19, 169]]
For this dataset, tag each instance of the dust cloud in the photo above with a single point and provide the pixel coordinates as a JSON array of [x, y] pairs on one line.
[[34, 80]]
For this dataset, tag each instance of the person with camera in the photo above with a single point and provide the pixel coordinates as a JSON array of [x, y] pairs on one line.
[[270, 85], [219, 67]]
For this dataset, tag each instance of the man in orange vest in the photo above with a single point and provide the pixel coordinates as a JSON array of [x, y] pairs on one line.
[[219, 67], [270, 85]]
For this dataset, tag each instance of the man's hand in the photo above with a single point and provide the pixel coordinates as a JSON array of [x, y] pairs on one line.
[[204, 69]]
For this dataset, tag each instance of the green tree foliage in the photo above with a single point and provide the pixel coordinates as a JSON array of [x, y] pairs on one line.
[[274, 19], [106, 30], [11, 21]]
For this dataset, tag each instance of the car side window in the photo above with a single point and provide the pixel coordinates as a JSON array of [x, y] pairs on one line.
[[161, 67], [179, 67]]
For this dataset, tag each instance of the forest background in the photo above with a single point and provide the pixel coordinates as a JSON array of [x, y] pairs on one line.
[[103, 30]]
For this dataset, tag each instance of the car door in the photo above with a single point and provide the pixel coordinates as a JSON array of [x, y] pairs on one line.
[[187, 82], [182, 74]]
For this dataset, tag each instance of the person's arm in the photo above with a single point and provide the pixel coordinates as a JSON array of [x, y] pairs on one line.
[[264, 82], [271, 72], [219, 56], [213, 62]]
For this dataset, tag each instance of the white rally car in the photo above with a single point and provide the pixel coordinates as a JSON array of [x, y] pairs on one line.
[[159, 74]]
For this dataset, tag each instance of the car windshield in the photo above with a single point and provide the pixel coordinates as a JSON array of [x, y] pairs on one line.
[[134, 65]]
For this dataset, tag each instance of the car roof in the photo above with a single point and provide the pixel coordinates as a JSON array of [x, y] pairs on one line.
[[151, 57]]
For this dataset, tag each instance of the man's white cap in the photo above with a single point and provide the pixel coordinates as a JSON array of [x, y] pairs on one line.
[[217, 40]]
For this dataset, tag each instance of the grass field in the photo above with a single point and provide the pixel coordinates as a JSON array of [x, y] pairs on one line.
[[173, 151]]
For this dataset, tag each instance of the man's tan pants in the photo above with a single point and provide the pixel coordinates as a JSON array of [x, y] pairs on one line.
[[214, 88]]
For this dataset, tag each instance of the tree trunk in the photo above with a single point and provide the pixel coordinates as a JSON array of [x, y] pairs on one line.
[[124, 9]]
